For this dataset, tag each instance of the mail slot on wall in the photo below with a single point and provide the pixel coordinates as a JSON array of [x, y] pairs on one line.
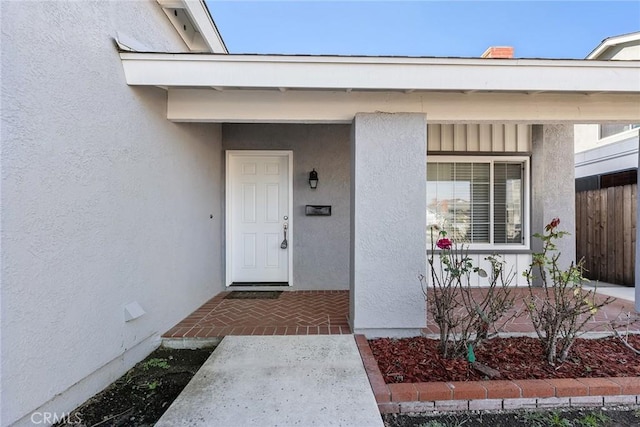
[[315, 210]]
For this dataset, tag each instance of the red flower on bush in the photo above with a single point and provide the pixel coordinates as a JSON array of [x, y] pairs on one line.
[[444, 244], [553, 224]]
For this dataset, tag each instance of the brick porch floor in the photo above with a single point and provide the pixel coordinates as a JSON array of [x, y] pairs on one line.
[[293, 313], [325, 312], [522, 324]]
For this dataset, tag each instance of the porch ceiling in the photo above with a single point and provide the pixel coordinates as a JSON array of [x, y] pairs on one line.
[[308, 89]]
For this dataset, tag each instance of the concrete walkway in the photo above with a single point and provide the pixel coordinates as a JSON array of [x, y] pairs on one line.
[[278, 381], [617, 291]]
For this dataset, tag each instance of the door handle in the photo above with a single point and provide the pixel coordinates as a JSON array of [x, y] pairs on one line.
[[284, 243]]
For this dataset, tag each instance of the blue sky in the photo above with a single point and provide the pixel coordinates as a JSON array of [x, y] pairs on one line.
[[536, 29]]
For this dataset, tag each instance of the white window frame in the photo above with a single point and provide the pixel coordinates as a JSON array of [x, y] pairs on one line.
[[526, 205]]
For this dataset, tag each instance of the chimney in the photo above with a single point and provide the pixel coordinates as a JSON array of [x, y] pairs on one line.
[[498, 52]]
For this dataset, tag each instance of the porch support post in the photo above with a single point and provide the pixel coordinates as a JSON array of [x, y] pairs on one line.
[[553, 189], [388, 217]]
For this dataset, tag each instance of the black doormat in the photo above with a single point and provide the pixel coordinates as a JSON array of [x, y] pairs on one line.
[[253, 295], [260, 284]]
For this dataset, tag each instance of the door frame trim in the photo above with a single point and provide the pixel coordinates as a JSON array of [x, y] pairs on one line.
[[227, 242]]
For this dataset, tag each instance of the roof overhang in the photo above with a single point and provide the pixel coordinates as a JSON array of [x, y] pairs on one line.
[[253, 88], [192, 21], [611, 42]]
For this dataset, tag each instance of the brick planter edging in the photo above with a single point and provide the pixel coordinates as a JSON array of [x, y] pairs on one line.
[[495, 394]]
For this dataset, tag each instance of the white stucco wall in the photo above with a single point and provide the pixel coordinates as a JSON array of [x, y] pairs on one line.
[[104, 202], [388, 217]]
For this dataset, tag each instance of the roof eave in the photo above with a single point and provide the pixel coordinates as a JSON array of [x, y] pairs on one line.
[[198, 17], [380, 73], [612, 41]]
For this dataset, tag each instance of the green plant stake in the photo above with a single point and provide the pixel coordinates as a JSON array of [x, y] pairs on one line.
[[471, 356]]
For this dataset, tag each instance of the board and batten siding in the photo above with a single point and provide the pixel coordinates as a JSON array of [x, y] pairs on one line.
[[514, 264], [488, 139], [479, 138]]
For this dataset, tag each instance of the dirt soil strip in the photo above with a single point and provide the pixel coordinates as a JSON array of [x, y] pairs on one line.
[[144, 393]]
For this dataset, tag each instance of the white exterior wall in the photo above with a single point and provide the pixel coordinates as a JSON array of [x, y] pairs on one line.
[[104, 202], [624, 52], [587, 137], [388, 218], [609, 158]]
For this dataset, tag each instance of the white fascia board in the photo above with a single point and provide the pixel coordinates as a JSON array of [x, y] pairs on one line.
[[201, 18], [380, 73], [272, 106], [613, 41], [206, 36]]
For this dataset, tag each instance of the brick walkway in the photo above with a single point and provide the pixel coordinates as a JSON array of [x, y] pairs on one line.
[[522, 324], [293, 313], [325, 313]]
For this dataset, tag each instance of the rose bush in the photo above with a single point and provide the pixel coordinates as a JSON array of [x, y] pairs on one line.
[[561, 310], [465, 318]]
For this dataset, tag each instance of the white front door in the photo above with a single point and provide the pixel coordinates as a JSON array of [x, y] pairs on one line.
[[258, 215]]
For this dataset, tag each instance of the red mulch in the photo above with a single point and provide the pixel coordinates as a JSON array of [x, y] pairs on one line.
[[417, 359]]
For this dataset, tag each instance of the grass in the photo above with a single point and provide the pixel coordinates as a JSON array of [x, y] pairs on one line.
[[561, 417], [437, 423], [156, 363], [556, 419]]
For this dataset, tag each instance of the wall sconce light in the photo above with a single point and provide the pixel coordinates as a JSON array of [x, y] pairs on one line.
[[313, 179]]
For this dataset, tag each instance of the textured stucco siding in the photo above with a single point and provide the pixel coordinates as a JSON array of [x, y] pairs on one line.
[[388, 223], [553, 186], [104, 202], [320, 244]]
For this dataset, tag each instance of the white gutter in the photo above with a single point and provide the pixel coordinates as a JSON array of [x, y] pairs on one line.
[[380, 73]]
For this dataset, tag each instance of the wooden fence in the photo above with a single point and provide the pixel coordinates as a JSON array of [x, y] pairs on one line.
[[606, 233]]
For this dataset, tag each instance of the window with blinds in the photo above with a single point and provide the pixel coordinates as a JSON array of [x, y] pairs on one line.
[[479, 202]]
